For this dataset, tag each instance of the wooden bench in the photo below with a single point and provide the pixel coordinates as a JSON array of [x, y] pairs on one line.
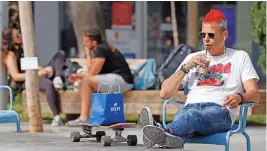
[[134, 101]]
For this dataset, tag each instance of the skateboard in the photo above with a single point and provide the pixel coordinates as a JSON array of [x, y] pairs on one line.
[[101, 135]]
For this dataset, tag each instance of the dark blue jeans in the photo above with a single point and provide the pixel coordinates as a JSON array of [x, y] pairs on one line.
[[200, 118]]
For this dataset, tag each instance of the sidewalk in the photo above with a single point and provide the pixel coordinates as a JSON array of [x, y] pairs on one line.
[[57, 139]]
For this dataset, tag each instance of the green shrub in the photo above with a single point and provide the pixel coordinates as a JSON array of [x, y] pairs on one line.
[[258, 15]]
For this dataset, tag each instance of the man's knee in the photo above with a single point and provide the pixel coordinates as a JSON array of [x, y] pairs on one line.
[[182, 118], [61, 53], [182, 115], [91, 81], [187, 117], [86, 80]]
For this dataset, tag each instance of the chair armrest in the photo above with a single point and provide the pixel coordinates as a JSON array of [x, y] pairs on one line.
[[243, 113], [249, 104], [174, 102], [165, 106], [10, 94]]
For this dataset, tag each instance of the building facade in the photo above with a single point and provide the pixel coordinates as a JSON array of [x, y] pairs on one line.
[[150, 33]]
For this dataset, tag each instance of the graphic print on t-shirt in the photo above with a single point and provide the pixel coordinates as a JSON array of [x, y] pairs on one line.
[[215, 75]]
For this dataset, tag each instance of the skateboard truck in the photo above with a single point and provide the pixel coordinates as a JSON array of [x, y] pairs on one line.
[[76, 136], [107, 140]]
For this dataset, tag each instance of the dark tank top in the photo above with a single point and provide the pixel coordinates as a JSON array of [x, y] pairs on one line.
[[19, 54]]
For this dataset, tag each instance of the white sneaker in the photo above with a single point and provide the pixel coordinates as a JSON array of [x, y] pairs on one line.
[[58, 82], [57, 121], [145, 119], [158, 136]]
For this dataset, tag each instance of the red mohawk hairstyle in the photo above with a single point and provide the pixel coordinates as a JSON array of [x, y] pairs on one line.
[[216, 16], [213, 16]]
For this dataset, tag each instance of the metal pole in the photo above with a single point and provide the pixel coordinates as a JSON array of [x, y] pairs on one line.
[[174, 25], [145, 51], [139, 28], [3, 75]]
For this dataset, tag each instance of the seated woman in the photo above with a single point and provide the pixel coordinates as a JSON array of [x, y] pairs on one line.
[[49, 77]]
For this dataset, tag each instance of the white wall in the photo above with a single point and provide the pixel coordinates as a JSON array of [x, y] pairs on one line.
[[243, 26]]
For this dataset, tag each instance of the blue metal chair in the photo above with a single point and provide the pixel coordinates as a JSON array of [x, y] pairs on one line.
[[9, 116], [218, 138]]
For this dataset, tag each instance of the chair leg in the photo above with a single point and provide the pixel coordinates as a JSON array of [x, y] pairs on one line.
[[227, 141], [18, 127], [248, 141], [18, 123], [226, 147]]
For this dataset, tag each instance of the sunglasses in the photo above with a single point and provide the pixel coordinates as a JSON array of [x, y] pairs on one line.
[[203, 35]]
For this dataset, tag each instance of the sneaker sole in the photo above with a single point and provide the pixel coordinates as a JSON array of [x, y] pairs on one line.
[[158, 136], [146, 119], [147, 142]]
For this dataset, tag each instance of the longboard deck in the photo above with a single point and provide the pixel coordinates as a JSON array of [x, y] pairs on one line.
[[118, 125]]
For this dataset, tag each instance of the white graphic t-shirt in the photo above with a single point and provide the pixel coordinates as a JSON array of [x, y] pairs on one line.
[[226, 76]]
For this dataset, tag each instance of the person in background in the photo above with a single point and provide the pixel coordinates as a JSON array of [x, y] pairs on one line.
[[49, 77], [168, 48], [106, 64]]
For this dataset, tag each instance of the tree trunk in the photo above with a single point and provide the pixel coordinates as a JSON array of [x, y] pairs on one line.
[[85, 15], [174, 25], [192, 23], [32, 80]]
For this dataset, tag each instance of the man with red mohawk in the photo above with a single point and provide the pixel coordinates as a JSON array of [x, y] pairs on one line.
[[213, 96]]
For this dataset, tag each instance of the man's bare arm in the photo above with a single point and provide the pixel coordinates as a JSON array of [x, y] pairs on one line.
[[97, 65], [171, 85], [251, 95], [252, 92], [89, 61]]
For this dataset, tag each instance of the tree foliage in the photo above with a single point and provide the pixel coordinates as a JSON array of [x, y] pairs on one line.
[[258, 14]]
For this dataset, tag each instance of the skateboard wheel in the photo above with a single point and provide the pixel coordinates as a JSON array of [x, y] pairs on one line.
[[99, 134], [106, 140], [131, 140], [75, 136]]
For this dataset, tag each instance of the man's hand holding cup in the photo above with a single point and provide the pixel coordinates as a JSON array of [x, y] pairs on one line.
[[197, 60]]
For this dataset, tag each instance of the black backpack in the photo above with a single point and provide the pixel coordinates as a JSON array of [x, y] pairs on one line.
[[173, 61], [68, 69]]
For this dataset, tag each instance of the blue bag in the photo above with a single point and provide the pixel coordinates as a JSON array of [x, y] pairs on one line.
[[107, 108], [145, 75]]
